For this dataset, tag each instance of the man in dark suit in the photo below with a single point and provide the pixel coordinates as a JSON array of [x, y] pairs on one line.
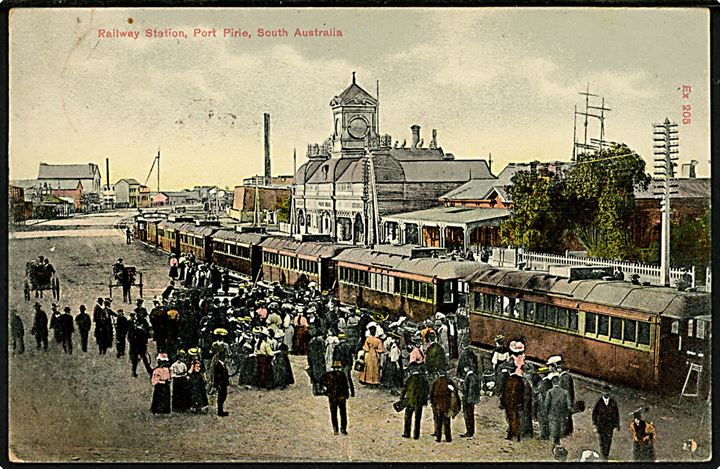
[[441, 395], [415, 396], [558, 408], [336, 383], [67, 328], [221, 380], [83, 324], [470, 397], [605, 418]]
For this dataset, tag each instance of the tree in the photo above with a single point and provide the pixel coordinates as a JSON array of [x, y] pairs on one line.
[[538, 220], [283, 209], [690, 242], [601, 190]]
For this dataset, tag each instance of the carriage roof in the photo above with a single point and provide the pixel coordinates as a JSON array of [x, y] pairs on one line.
[[240, 238], [441, 268], [664, 301]]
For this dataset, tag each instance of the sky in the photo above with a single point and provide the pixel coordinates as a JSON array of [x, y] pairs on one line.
[[490, 80]]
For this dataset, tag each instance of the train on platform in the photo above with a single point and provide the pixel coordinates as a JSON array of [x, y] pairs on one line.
[[644, 337]]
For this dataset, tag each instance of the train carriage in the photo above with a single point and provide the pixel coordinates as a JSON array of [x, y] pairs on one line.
[[238, 251], [608, 329], [396, 279], [197, 238], [292, 262], [141, 229], [151, 232], [168, 239]]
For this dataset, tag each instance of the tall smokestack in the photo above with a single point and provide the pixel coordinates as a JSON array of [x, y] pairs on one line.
[[268, 176], [107, 173], [415, 135], [433, 144]]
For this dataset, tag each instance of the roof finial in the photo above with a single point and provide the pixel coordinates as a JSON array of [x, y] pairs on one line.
[[353, 78]]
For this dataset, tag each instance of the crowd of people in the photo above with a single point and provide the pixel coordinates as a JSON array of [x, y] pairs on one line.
[[205, 336]]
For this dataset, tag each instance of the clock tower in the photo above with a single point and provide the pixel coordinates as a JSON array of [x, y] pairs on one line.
[[355, 121]]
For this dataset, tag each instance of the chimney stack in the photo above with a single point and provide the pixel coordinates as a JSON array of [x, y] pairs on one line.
[[107, 172], [415, 135], [268, 176], [433, 143]]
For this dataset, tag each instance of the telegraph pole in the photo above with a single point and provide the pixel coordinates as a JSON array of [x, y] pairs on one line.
[[665, 148]]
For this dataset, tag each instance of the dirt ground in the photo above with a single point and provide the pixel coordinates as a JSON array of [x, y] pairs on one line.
[[88, 408]]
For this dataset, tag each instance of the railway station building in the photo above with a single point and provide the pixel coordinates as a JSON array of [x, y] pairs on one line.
[[358, 177]]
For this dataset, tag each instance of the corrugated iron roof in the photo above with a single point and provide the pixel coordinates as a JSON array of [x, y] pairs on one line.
[[452, 215], [309, 248], [67, 171], [237, 237], [695, 188], [441, 268], [649, 299]]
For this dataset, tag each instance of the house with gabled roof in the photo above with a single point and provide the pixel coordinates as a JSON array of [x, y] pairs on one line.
[[57, 175]]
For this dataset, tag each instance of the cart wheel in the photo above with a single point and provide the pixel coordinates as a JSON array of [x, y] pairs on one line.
[[233, 366]]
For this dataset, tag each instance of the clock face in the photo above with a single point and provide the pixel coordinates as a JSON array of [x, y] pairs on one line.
[[338, 126], [358, 127]]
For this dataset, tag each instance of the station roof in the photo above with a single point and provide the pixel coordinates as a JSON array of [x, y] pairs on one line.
[[441, 268], [665, 301], [308, 248], [67, 171], [457, 215], [687, 188]]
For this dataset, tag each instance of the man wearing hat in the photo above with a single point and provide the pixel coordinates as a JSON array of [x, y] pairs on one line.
[[567, 383], [415, 396], [543, 387], [343, 352], [513, 400], [435, 357], [83, 322], [66, 326], [221, 378], [558, 409], [17, 330], [141, 313], [606, 419], [316, 362], [138, 339], [338, 393], [158, 319], [441, 398], [643, 435], [40, 327], [470, 396], [121, 330], [55, 323]]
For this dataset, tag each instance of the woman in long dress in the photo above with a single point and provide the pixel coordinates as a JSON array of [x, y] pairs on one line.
[[373, 348], [263, 355], [198, 386], [173, 267], [181, 386], [161, 381]]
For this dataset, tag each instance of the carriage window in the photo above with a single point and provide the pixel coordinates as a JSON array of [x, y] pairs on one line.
[[615, 328], [541, 311], [572, 320], [552, 314], [675, 327], [562, 319], [590, 323], [691, 323], [529, 311], [448, 291], [701, 325], [643, 333], [630, 330], [603, 325]]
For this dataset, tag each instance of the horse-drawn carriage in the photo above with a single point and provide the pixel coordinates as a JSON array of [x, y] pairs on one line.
[[125, 277], [41, 276]]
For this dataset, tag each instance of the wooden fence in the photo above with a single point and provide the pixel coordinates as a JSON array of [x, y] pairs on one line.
[[541, 261]]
